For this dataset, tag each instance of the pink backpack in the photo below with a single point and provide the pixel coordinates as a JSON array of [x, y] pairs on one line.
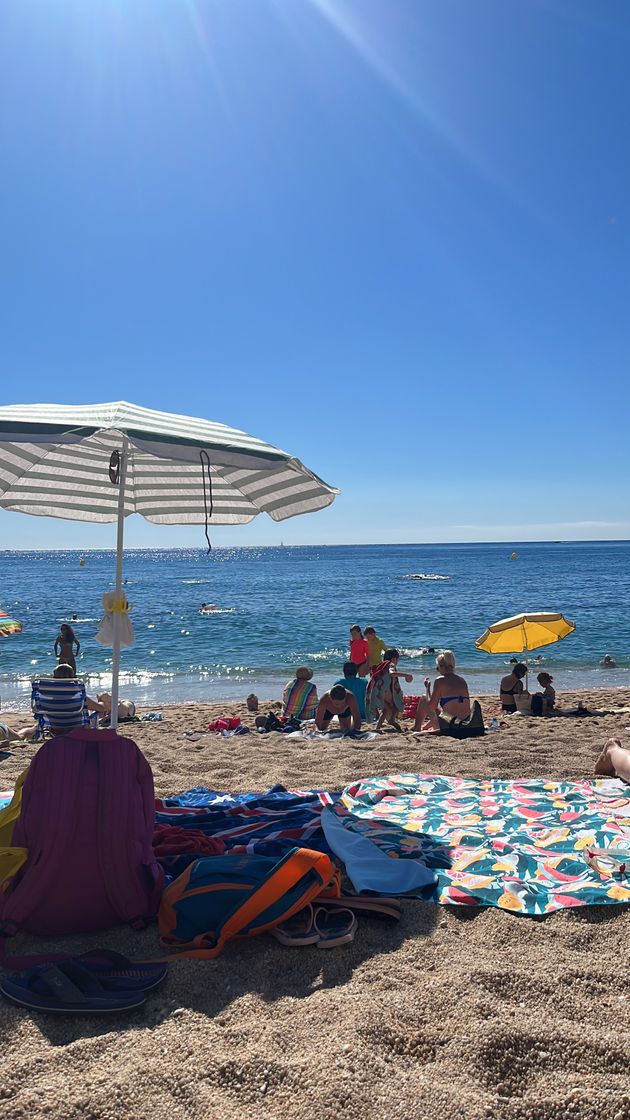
[[86, 820]]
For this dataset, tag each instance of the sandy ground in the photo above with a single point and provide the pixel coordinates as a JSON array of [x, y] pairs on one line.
[[451, 1014]]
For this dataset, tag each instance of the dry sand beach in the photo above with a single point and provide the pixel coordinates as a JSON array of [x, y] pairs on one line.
[[452, 1014]]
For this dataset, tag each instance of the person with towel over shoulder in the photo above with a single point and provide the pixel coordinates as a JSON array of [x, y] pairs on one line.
[[299, 698]]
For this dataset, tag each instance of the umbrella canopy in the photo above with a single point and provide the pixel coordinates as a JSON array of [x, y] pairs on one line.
[[524, 632], [104, 462], [9, 626], [55, 461]]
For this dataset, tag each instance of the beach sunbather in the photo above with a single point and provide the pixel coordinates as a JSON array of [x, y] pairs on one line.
[[512, 686], [354, 684], [10, 734], [66, 672], [384, 697], [299, 698], [449, 694], [614, 761], [341, 703], [545, 681]]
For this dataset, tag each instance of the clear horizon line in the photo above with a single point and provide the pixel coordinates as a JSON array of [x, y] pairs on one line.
[[327, 544]]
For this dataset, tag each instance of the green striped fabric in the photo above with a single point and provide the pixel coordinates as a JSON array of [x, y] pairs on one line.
[[54, 461]]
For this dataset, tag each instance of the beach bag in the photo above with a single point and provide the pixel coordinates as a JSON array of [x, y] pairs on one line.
[[469, 728], [86, 825], [523, 701], [219, 898]]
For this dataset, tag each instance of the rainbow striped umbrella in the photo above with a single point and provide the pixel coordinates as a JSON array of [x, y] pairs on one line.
[[9, 625]]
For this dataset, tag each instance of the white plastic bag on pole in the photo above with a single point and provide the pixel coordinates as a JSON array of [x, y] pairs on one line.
[[116, 608]]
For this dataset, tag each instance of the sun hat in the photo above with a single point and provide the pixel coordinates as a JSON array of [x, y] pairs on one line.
[[303, 673]]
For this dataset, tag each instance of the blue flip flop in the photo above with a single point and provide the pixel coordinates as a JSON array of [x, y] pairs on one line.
[[66, 989], [118, 973]]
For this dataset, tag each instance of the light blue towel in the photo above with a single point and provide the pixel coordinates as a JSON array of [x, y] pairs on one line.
[[369, 868]]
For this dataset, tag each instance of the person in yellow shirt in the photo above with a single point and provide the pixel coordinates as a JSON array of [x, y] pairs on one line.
[[376, 647]]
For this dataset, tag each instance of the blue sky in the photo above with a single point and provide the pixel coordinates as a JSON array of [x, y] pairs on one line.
[[389, 236]]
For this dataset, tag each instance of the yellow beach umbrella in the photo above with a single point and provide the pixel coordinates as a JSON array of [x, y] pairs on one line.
[[524, 632]]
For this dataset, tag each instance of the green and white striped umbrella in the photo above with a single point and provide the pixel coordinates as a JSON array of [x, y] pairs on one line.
[[103, 462], [54, 461]]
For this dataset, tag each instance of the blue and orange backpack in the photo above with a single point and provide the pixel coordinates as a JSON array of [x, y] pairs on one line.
[[218, 898]]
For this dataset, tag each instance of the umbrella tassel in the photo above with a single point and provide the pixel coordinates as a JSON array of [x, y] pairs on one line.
[[208, 501]]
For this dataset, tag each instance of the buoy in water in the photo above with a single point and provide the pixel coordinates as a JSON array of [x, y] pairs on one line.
[[514, 556]]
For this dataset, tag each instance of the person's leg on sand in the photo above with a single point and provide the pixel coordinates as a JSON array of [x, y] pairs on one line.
[[614, 761], [426, 718]]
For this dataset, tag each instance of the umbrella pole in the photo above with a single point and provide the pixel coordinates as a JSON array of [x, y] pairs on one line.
[[120, 532]]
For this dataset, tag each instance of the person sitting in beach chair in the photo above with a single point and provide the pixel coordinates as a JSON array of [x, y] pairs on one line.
[[60, 703], [299, 699], [341, 703], [449, 694]]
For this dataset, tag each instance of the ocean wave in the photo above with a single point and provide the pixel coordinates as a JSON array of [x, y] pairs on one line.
[[425, 575], [325, 654], [73, 620], [196, 581], [217, 610]]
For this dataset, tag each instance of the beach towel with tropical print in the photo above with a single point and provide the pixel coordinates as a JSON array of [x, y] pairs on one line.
[[518, 845]]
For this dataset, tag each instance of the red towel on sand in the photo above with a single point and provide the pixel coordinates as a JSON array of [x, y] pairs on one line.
[[170, 840]]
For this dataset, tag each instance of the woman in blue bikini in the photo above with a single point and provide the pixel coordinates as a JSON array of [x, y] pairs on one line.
[[449, 693]]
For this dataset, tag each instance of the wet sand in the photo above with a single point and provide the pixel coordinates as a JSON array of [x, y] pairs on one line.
[[450, 1014]]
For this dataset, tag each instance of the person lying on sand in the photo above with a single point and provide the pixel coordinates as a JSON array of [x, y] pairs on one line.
[[614, 761], [449, 693], [12, 734], [341, 703]]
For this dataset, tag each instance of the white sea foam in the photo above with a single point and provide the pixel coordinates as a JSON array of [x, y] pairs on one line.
[[72, 621], [425, 575]]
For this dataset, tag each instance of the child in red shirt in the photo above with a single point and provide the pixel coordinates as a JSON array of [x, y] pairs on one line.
[[359, 651]]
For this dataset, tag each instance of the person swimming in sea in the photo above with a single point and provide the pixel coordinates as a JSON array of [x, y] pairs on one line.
[[65, 642]]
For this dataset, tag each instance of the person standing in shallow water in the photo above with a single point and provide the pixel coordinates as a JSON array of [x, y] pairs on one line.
[[359, 651], [65, 642]]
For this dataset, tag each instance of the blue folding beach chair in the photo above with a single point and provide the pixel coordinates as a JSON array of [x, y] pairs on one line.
[[60, 704]]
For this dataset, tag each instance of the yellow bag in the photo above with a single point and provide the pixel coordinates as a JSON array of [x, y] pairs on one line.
[[11, 859]]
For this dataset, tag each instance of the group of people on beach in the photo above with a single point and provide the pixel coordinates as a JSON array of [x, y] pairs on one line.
[[370, 689]]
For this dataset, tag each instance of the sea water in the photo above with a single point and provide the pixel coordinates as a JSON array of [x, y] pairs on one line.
[[290, 606]]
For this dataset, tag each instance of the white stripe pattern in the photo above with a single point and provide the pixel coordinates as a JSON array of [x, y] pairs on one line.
[[54, 462]]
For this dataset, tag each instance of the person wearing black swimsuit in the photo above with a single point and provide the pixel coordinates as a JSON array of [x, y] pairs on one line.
[[512, 686], [341, 703]]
